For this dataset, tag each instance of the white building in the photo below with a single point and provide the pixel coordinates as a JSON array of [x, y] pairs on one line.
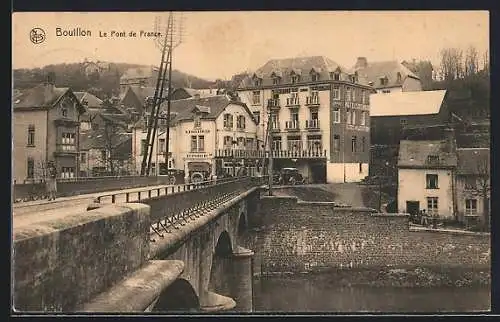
[[209, 136], [426, 177], [319, 113]]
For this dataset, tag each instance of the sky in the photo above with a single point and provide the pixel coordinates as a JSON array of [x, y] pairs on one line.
[[221, 44]]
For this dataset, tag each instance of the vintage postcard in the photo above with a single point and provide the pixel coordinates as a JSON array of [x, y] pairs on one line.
[[211, 162]]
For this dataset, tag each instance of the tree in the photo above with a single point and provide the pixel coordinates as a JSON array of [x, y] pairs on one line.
[[451, 64], [483, 187], [471, 61]]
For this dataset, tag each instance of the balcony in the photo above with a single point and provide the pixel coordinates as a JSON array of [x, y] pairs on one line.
[[299, 154], [65, 149], [273, 103], [292, 102], [312, 100], [292, 125], [312, 125], [231, 153], [275, 127]]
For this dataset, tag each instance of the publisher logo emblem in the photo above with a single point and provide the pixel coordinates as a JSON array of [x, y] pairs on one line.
[[37, 35]]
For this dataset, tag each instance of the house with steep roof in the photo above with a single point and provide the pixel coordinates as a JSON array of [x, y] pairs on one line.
[[318, 113], [93, 105], [209, 136], [473, 186], [45, 128], [145, 76], [136, 98], [388, 76], [426, 173], [184, 92], [407, 115]]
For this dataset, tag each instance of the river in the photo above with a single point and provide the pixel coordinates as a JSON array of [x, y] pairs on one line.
[[311, 294]]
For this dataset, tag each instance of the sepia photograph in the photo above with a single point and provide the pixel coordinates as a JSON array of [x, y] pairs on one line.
[[216, 162]]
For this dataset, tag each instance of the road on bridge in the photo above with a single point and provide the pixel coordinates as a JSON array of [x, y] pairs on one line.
[[28, 213]]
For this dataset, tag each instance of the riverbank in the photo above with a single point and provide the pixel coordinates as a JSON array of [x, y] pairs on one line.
[[410, 277]]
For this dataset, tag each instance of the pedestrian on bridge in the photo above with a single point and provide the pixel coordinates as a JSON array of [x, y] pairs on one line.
[[51, 182]]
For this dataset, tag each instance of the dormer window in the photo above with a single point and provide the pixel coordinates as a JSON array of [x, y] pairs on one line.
[[354, 77], [276, 80], [257, 81], [64, 112], [314, 77], [384, 81], [295, 79], [197, 121]]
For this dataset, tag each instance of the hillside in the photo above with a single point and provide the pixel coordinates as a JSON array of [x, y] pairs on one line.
[[102, 85]]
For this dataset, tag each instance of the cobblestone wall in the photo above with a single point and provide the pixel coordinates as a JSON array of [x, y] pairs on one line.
[[290, 236]]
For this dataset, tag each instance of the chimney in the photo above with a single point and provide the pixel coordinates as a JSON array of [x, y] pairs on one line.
[[362, 62], [49, 84], [450, 142]]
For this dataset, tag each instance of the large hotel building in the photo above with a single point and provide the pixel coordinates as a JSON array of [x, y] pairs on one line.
[[319, 113]]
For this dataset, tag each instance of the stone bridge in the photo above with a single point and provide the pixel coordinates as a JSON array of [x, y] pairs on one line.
[[173, 252]]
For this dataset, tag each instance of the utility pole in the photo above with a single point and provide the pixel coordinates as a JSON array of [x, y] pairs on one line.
[[167, 44], [270, 140]]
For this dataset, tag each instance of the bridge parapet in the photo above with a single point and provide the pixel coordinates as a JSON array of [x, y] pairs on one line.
[[62, 264]]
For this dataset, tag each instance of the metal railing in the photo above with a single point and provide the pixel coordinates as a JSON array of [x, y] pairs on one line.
[[312, 124], [312, 100], [240, 153], [292, 125], [292, 101], [297, 154], [273, 103]]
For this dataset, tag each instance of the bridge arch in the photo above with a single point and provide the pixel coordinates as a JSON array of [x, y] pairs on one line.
[[179, 296], [224, 245], [242, 224], [218, 281]]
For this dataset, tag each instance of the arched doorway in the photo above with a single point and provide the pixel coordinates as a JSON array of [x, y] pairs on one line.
[[178, 297]]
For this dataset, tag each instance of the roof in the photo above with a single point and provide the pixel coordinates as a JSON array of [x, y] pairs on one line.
[[415, 154], [39, 96], [97, 139], [406, 103], [139, 72], [473, 161], [375, 70], [303, 66], [92, 100], [143, 92], [202, 92]]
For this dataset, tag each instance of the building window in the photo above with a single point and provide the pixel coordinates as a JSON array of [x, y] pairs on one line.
[[161, 148], [256, 116], [336, 115], [433, 159], [383, 81], [363, 144], [349, 116], [336, 76], [67, 172], [348, 94], [295, 79], [275, 121], [197, 121], [194, 143], [354, 96], [336, 143], [277, 143], [276, 80], [361, 167], [363, 118], [83, 157], [240, 122], [294, 143], [314, 143], [471, 207], [30, 168], [64, 112], [257, 82], [470, 183], [314, 77], [354, 143], [201, 143], [366, 97], [256, 97], [403, 122], [336, 92], [431, 181], [143, 146], [249, 144], [353, 117], [228, 121], [228, 141], [31, 135], [432, 205]]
